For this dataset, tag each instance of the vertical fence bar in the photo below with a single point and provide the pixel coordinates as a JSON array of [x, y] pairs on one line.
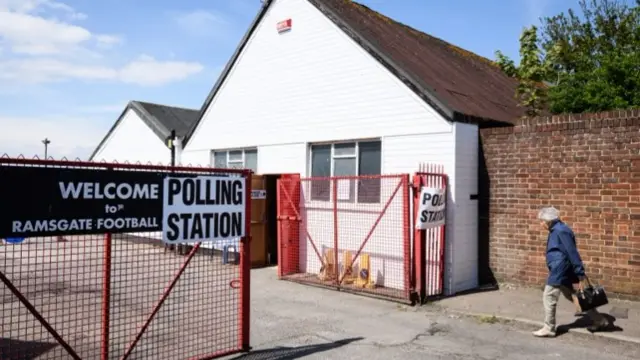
[[245, 271], [335, 231], [106, 297], [279, 211], [445, 184], [418, 243], [406, 235]]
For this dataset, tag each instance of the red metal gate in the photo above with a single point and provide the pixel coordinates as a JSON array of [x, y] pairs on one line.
[[429, 245], [351, 233], [122, 296]]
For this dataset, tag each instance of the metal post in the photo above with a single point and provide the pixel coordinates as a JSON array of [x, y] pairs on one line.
[[106, 297], [245, 272], [335, 232], [46, 143]]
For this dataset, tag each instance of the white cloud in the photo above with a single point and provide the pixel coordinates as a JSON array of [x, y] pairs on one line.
[[202, 23], [25, 29], [101, 109], [108, 41], [70, 136], [145, 71], [34, 35], [535, 10], [38, 6], [45, 50]]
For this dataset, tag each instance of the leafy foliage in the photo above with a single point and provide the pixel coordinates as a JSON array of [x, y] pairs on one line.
[[589, 62]]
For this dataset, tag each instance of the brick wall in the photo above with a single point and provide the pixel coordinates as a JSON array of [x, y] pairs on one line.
[[588, 166]]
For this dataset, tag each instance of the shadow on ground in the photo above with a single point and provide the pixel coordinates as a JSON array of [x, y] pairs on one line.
[[23, 350], [584, 322], [288, 353]]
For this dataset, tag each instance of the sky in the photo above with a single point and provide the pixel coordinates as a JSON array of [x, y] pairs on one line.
[[69, 67]]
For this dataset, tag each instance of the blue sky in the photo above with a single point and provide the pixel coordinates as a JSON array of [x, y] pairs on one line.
[[68, 67]]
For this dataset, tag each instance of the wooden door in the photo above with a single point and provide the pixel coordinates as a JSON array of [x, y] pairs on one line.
[[258, 221]]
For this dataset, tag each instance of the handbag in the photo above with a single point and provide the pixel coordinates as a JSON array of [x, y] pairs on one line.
[[591, 297]]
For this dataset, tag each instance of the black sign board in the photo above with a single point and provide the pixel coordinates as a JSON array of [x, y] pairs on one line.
[[49, 201]]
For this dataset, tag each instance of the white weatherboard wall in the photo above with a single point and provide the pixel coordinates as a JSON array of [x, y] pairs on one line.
[[132, 140], [463, 255], [307, 85], [315, 84]]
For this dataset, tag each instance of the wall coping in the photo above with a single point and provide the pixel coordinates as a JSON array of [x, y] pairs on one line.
[[567, 122]]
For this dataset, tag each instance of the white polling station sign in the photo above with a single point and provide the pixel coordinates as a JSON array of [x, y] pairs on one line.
[[432, 210], [203, 208]]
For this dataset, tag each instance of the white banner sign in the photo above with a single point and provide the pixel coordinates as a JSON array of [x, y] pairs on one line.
[[258, 194], [431, 212], [203, 208]]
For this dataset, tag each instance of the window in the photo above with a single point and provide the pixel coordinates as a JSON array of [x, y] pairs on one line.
[[346, 159], [236, 159]]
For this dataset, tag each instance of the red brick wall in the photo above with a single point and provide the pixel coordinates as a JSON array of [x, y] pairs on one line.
[[588, 166]]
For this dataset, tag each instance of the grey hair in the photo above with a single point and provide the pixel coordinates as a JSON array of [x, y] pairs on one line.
[[549, 214]]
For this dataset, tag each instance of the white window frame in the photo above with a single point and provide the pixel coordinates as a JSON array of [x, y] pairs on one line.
[[228, 161], [333, 156]]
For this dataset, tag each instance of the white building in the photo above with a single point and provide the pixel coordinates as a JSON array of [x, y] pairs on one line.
[[331, 87], [142, 133], [310, 74]]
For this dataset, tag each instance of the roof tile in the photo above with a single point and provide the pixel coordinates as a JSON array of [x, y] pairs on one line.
[[468, 83]]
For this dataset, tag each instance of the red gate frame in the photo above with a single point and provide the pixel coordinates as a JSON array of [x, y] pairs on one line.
[[403, 183], [429, 175], [245, 263]]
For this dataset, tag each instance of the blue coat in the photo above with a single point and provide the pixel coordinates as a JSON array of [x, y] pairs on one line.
[[563, 260]]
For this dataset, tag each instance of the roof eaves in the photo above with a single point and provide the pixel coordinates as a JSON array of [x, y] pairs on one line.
[[225, 72], [149, 120], [152, 122], [113, 128], [417, 85]]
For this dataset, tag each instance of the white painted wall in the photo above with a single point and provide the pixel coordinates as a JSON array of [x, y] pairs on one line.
[[463, 252], [311, 84], [315, 84], [134, 141]]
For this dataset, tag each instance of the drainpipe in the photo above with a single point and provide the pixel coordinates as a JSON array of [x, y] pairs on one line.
[[177, 146], [172, 143]]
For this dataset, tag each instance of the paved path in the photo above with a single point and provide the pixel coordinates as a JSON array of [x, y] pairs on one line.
[[525, 304], [292, 321]]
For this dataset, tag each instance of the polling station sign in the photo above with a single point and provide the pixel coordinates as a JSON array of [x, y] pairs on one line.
[[49, 201], [203, 208], [432, 209]]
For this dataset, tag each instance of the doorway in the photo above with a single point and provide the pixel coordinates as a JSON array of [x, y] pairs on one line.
[[271, 185]]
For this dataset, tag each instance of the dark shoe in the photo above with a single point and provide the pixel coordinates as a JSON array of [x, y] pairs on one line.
[[580, 313]]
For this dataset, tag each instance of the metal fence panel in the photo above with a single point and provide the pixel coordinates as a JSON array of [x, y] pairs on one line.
[[118, 296], [350, 233]]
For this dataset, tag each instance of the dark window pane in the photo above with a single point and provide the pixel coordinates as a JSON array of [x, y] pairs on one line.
[[251, 160], [344, 167], [345, 187], [369, 163], [348, 149], [220, 159], [235, 155], [320, 167]]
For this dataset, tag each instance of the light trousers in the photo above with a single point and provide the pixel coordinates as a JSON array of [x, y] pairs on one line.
[[550, 298]]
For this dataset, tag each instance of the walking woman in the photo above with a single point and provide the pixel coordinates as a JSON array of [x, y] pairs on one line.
[[565, 269]]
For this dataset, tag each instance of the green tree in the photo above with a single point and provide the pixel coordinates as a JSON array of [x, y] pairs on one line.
[[591, 62], [532, 72]]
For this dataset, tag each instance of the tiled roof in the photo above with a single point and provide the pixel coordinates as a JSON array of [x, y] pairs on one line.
[[463, 81], [459, 84], [161, 119]]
